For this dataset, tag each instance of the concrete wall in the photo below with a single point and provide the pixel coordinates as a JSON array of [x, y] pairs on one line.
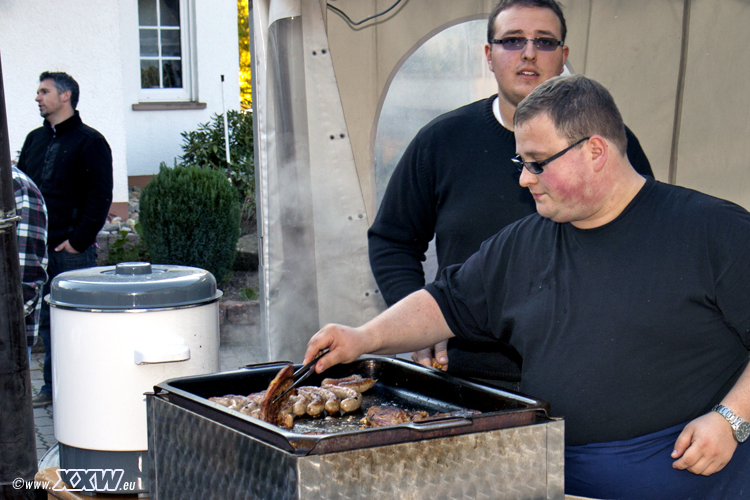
[[691, 118], [97, 43]]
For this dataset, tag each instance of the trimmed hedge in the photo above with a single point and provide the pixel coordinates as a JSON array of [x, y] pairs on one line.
[[190, 216]]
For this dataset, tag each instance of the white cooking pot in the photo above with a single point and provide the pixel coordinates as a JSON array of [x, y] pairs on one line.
[[116, 332]]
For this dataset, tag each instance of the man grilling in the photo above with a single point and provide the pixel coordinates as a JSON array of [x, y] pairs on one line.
[[628, 300]]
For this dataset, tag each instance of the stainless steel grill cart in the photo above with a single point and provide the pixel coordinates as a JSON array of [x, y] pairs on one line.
[[512, 450]]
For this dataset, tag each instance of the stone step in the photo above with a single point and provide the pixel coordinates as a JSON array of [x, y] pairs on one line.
[[246, 258], [239, 323]]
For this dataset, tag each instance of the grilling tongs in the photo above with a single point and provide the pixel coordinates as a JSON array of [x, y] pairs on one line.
[[301, 375]]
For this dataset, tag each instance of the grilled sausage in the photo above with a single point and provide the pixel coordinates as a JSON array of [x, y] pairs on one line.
[[316, 405], [355, 381], [250, 407], [299, 404], [338, 381], [359, 385], [351, 399], [231, 401], [286, 417], [332, 401], [257, 397]]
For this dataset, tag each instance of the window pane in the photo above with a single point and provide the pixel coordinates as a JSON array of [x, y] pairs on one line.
[[147, 12], [149, 74], [172, 74], [149, 42], [170, 12], [170, 43]]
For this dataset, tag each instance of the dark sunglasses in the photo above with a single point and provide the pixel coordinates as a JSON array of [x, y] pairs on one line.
[[543, 43], [537, 167]]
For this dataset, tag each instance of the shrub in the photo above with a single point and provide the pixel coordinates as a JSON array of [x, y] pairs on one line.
[[127, 248], [191, 216], [205, 148]]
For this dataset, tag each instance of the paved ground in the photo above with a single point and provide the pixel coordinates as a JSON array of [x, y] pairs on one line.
[[230, 358]]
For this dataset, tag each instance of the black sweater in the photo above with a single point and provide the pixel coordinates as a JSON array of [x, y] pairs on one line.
[[72, 165], [626, 329], [455, 181]]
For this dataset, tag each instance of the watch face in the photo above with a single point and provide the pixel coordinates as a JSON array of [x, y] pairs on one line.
[[742, 432]]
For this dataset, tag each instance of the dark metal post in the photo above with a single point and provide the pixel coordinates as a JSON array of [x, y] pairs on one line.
[[17, 438]]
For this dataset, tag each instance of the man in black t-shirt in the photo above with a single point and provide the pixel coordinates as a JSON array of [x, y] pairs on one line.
[[628, 299]]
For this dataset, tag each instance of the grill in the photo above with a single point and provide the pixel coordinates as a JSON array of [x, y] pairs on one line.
[[512, 450]]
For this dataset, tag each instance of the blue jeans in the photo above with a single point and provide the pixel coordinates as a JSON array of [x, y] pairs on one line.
[[59, 262]]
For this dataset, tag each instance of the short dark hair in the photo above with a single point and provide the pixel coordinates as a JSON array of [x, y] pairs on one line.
[[63, 83], [578, 107], [544, 4]]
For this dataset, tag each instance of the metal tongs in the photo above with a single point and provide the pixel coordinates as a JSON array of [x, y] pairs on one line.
[[302, 374]]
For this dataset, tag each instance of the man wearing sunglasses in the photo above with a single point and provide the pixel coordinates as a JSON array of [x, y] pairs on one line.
[[456, 181], [628, 299]]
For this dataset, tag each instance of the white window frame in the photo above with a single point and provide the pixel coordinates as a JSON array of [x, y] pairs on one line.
[[187, 49]]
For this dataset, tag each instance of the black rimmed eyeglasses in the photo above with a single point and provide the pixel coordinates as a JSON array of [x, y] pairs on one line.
[[537, 167], [543, 43]]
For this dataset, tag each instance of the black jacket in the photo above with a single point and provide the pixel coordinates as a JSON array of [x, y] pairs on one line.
[[72, 165]]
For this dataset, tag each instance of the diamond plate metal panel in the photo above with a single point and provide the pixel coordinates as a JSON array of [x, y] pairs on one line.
[[556, 459], [503, 464], [194, 457], [209, 460]]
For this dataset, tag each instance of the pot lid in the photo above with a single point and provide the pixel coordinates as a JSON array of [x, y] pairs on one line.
[[133, 285]]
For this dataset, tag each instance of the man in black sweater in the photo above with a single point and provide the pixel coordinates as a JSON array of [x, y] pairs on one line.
[[456, 181], [72, 165], [628, 299]]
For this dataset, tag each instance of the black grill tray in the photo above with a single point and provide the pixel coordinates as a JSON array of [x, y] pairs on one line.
[[401, 383]]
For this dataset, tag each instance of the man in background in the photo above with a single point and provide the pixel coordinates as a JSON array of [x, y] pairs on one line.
[[72, 165], [456, 181]]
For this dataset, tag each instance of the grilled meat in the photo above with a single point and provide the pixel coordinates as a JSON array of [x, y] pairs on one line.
[[335, 395], [316, 403], [272, 412], [351, 399], [353, 381], [231, 401], [331, 400], [380, 416], [299, 404]]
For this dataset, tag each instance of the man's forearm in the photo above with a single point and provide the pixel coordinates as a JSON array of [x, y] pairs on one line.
[[411, 324]]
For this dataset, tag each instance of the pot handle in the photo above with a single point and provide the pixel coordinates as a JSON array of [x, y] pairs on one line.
[[161, 354]]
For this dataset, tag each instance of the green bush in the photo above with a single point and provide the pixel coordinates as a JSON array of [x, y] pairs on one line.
[[191, 216], [205, 148], [123, 250]]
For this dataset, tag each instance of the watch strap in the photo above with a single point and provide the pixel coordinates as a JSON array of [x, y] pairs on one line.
[[734, 420]]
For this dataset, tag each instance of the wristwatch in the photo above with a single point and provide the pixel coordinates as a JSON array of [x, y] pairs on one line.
[[740, 426]]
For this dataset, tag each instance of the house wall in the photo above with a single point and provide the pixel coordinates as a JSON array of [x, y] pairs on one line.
[[41, 36], [97, 43], [154, 136]]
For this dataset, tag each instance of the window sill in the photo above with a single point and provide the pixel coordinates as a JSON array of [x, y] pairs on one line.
[[168, 106]]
